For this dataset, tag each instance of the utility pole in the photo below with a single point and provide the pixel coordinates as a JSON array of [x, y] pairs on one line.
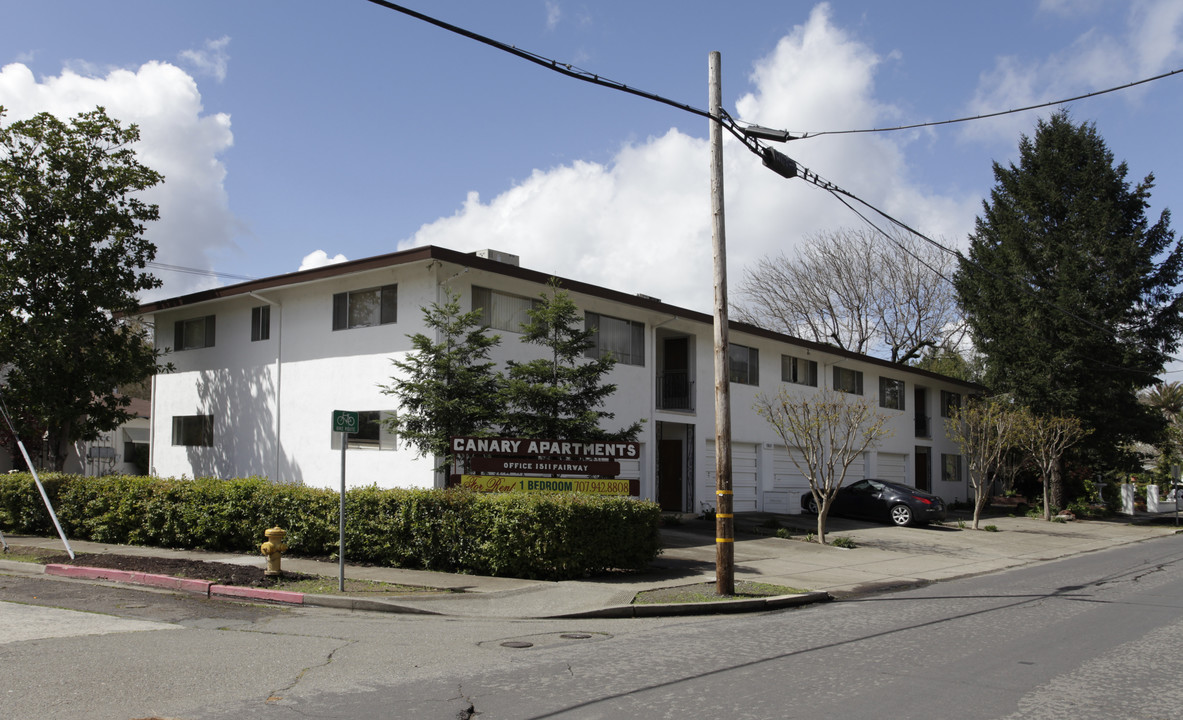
[[724, 505]]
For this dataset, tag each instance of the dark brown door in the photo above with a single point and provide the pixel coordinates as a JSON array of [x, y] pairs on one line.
[[669, 481], [923, 468]]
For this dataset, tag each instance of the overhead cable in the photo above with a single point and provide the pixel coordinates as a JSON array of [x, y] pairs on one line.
[[803, 135]]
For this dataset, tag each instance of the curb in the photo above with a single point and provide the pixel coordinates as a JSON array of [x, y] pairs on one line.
[[776, 602], [198, 587], [209, 590]]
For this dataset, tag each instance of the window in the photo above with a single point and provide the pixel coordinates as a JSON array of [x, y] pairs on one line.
[[372, 433], [745, 364], [194, 333], [950, 403], [797, 370], [261, 323], [193, 430], [847, 380], [950, 468], [891, 393], [624, 339], [365, 308], [502, 311]]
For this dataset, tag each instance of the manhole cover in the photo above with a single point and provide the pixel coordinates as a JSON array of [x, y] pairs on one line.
[[575, 636], [516, 644]]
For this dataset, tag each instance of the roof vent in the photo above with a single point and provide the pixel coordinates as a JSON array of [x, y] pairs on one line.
[[498, 256]]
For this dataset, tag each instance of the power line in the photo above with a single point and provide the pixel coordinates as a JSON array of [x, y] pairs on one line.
[[560, 67], [198, 271], [803, 135], [842, 194]]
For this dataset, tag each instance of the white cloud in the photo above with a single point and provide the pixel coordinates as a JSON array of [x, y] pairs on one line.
[[176, 139], [211, 60], [553, 13], [1151, 43], [320, 258], [642, 223]]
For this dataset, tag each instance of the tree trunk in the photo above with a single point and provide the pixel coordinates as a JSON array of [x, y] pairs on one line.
[[979, 504], [822, 513], [1057, 492], [1046, 513]]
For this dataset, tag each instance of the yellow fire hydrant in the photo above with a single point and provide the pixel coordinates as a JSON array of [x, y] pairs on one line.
[[273, 549]]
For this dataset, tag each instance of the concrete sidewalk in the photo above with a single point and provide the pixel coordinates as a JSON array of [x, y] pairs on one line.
[[885, 557]]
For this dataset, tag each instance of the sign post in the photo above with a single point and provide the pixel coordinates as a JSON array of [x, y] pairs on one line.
[[344, 422]]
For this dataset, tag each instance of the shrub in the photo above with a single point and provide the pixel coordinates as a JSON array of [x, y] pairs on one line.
[[554, 536], [843, 542]]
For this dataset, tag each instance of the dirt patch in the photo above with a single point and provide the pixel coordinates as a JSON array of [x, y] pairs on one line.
[[215, 572]]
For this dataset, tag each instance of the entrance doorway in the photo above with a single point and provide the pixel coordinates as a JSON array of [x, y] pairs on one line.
[[923, 468], [675, 466]]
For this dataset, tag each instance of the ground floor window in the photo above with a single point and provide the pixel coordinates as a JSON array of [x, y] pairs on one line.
[[193, 430], [950, 468], [372, 432]]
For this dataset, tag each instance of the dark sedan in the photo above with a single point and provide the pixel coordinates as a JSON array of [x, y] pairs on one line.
[[883, 500]]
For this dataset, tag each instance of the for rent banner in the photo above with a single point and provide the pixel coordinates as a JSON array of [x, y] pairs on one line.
[[501, 483]]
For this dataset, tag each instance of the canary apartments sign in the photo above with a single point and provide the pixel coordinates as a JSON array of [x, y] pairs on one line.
[[597, 463]]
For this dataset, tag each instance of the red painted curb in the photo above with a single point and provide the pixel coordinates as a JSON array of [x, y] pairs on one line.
[[201, 587], [78, 571], [283, 596]]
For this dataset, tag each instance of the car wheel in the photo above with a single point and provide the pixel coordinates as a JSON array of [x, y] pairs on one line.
[[811, 506], [901, 515]]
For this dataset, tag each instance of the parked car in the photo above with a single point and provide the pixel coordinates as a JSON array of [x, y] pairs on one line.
[[883, 500]]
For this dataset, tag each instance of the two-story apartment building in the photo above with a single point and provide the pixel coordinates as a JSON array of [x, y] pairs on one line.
[[261, 366]]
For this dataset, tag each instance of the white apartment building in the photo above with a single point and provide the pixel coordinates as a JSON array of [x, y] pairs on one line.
[[262, 365]]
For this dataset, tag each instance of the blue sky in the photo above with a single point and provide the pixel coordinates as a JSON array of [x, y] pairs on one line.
[[288, 128]]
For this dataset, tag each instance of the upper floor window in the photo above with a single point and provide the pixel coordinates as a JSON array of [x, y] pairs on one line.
[[194, 333], [193, 430], [891, 393], [365, 308], [847, 380], [798, 370], [260, 323], [502, 311], [745, 364], [950, 403], [624, 339]]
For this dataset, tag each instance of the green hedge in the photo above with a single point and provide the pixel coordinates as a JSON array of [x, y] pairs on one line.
[[551, 536]]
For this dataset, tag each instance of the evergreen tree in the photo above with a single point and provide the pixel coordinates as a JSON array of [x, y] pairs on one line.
[[448, 388], [72, 259], [560, 396], [1070, 292]]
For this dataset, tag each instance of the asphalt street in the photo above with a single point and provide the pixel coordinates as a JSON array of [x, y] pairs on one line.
[[1090, 636]]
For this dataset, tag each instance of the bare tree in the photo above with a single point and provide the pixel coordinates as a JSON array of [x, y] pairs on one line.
[[1045, 438], [984, 429], [830, 429], [857, 290]]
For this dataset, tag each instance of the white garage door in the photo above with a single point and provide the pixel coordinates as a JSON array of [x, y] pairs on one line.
[[785, 473], [891, 467]]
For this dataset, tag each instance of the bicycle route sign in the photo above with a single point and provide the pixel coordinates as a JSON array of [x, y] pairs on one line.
[[345, 421]]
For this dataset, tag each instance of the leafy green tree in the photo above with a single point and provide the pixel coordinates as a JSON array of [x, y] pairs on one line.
[[1167, 400], [1070, 292], [951, 363], [447, 388], [985, 430], [1046, 438], [71, 264], [561, 395]]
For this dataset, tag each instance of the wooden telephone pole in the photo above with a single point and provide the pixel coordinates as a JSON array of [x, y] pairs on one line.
[[724, 506]]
